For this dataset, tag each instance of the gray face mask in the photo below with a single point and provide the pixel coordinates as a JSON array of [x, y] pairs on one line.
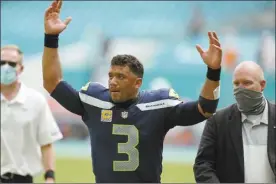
[[249, 102]]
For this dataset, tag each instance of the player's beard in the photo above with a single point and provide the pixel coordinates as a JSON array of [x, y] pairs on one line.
[[116, 96]]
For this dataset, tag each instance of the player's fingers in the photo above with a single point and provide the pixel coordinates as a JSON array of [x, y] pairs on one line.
[[48, 11], [215, 48], [215, 41], [199, 49], [59, 5], [55, 5], [210, 37], [67, 20], [215, 35]]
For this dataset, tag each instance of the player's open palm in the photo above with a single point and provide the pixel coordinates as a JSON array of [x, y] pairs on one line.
[[52, 22], [213, 56]]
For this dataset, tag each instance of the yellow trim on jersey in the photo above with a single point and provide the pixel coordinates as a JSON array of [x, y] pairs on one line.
[[85, 87], [173, 94]]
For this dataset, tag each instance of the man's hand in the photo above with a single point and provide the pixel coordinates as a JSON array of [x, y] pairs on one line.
[[213, 56], [52, 23]]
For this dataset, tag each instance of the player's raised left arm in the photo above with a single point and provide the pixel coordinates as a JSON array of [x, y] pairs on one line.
[[209, 97], [190, 113]]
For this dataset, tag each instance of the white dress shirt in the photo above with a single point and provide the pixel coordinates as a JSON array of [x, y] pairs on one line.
[[26, 124], [256, 163]]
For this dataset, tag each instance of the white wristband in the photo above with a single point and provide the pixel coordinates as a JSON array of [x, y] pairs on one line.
[[216, 93]]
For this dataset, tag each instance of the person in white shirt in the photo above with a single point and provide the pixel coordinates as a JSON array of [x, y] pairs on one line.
[[28, 128]]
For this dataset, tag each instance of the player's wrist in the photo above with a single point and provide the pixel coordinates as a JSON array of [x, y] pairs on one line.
[[213, 74], [49, 174], [51, 40]]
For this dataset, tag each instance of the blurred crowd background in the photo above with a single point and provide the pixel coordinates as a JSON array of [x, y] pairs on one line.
[[162, 34]]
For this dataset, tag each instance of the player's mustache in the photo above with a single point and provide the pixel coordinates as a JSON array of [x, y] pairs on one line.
[[114, 90]]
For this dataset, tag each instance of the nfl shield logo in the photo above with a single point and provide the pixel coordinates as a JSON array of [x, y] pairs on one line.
[[124, 114]]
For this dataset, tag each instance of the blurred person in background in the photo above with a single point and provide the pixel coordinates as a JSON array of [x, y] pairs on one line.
[[231, 55], [127, 126], [28, 128], [197, 23], [238, 144], [266, 52], [102, 63]]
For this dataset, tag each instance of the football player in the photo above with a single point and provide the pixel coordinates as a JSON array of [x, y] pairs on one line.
[[127, 126]]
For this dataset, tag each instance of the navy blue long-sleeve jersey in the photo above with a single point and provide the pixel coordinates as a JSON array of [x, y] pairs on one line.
[[127, 143]]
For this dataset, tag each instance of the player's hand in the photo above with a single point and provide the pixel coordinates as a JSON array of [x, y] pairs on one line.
[[52, 23], [213, 56]]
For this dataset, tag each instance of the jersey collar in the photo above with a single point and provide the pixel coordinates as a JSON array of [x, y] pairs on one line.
[[127, 103]]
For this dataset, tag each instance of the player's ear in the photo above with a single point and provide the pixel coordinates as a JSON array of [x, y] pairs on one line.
[[138, 83]]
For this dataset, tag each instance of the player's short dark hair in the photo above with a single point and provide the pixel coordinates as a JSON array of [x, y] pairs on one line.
[[131, 61]]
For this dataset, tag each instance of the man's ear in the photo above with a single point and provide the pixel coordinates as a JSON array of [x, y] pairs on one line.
[[138, 83], [263, 85], [21, 69]]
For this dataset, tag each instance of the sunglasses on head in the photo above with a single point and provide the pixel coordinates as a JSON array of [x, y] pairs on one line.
[[12, 64]]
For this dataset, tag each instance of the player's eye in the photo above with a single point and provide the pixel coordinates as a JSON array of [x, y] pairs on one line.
[[121, 77]]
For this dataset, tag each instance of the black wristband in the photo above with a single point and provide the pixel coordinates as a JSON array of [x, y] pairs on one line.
[[209, 106], [51, 41], [49, 174], [213, 74]]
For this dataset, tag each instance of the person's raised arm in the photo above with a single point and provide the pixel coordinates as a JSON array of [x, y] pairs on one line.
[[60, 90], [209, 97], [53, 25], [190, 113]]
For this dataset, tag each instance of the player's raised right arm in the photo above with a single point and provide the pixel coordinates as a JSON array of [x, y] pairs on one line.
[[52, 73], [60, 90]]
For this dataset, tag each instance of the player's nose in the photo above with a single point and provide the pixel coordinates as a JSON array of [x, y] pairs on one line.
[[113, 86], [113, 82]]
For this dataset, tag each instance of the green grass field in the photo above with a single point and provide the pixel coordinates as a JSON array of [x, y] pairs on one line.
[[69, 170]]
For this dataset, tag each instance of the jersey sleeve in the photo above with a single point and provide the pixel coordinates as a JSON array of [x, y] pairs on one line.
[[183, 113], [68, 97]]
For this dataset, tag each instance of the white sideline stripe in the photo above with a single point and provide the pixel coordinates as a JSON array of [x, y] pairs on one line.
[[95, 102], [158, 104]]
